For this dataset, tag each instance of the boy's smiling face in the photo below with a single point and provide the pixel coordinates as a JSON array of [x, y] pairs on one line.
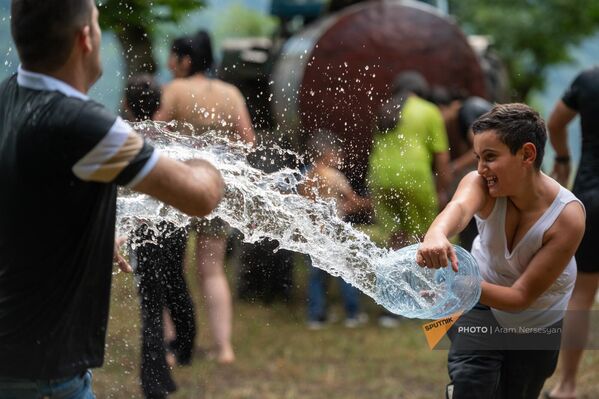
[[501, 170]]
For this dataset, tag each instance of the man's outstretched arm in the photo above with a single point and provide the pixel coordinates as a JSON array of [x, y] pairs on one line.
[[194, 187]]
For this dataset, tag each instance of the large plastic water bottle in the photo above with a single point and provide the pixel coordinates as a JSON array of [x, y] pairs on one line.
[[405, 288]]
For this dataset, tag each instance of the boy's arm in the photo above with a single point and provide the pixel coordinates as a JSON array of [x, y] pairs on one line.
[[338, 183], [561, 242], [353, 202], [470, 198]]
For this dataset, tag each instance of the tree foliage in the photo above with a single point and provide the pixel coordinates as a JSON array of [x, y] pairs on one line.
[[240, 21], [529, 35], [134, 23]]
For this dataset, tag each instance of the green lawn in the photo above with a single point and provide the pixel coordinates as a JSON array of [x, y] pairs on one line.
[[277, 357]]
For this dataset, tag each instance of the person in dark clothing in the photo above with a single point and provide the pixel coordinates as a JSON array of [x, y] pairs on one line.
[[470, 109], [159, 267], [62, 157], [142, 97], [581, 98], [459, 113], [157, 257]]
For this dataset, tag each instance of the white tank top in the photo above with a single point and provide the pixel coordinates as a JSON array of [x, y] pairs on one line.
[[499, 266]]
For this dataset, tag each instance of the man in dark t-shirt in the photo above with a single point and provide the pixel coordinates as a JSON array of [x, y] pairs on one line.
[[581, 98], [62, 157], [59, 150]]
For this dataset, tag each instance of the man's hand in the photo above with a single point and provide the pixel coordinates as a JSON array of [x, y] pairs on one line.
[[435, 251], [118, 259]]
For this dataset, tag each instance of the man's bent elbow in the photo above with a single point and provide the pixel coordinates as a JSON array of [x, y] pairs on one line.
[[194, 187], [215, 195], [210, 196]]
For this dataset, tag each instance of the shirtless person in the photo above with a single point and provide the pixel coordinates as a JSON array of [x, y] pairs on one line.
[[62, 156], [530, 228], [204, 102], [207, 104]]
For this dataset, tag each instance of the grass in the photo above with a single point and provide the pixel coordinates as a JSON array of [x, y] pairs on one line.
[[278, 358]]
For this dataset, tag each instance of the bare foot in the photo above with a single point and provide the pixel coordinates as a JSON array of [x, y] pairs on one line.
[[226, 358], [558, 395], [223, 356]]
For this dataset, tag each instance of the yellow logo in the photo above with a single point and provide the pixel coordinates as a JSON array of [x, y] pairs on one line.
[[435, 330]]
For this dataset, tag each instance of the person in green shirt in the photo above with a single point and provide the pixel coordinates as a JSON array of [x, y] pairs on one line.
[[409, 172]]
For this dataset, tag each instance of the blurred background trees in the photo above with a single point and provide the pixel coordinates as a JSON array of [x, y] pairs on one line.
[[135, 21], [529, 35], [532, 37], [241, 21]]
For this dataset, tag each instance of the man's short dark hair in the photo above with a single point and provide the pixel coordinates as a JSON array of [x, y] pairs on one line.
[[143, 96], [515, 124], [44, 30], [198, 48]]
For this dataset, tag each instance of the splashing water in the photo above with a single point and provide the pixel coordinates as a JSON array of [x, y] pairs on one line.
[[267, 205]]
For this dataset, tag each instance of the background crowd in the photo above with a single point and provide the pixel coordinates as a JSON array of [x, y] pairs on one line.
[[421, 148]]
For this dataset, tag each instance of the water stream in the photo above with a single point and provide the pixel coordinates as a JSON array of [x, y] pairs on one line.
[[267, 205]]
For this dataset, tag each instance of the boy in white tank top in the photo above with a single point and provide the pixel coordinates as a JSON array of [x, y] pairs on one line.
[[529, 229]]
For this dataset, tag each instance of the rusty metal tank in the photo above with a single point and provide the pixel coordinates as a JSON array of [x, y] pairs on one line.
[[336, 73]]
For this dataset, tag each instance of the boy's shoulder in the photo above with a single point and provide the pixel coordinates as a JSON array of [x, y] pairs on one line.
[[569, 224], [573, 213]]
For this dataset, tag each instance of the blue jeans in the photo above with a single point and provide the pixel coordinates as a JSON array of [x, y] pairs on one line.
[[79, 387], [317, 306]]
